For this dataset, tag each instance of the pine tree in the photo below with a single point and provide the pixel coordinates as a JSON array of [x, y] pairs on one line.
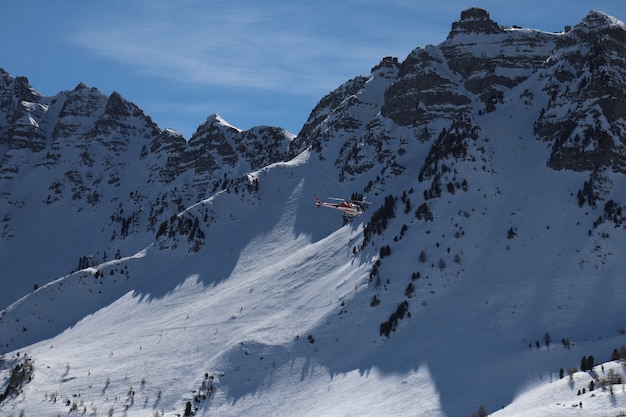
[[547, 338], [615, 356], [410, 289], [481, 412], [188, 411]]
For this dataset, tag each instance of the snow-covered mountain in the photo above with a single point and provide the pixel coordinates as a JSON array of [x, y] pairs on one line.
[[144, 274]]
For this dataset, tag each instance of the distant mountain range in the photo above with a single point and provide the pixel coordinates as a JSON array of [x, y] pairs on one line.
[[144, 273]]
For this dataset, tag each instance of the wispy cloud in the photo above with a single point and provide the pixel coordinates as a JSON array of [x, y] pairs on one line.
[[303, 48]]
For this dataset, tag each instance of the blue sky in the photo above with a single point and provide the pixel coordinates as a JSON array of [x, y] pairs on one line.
[[252, 62]]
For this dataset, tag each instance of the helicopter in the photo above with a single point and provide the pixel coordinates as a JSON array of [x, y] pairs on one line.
[[350, 209]]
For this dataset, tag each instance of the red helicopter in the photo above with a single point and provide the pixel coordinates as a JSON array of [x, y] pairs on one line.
[[350, 209]]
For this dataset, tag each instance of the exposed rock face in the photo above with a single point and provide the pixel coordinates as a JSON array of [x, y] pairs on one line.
[[167, 149], [98, 148], [581, 74], [425, 90], [217, 150], [320, 120], [491, 59], [264, 145], [346, 125], [212, 146], [20, 107], [474, 20], [585, 117], [479, 59]]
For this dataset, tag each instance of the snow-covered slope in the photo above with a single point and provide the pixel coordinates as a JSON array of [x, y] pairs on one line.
[[144, 274]]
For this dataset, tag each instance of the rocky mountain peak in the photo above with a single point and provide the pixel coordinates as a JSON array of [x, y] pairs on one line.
[[597, 20], [80, 86], [215, 121], [24, 91], [116, 106], [215, 133], [474, 20]]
